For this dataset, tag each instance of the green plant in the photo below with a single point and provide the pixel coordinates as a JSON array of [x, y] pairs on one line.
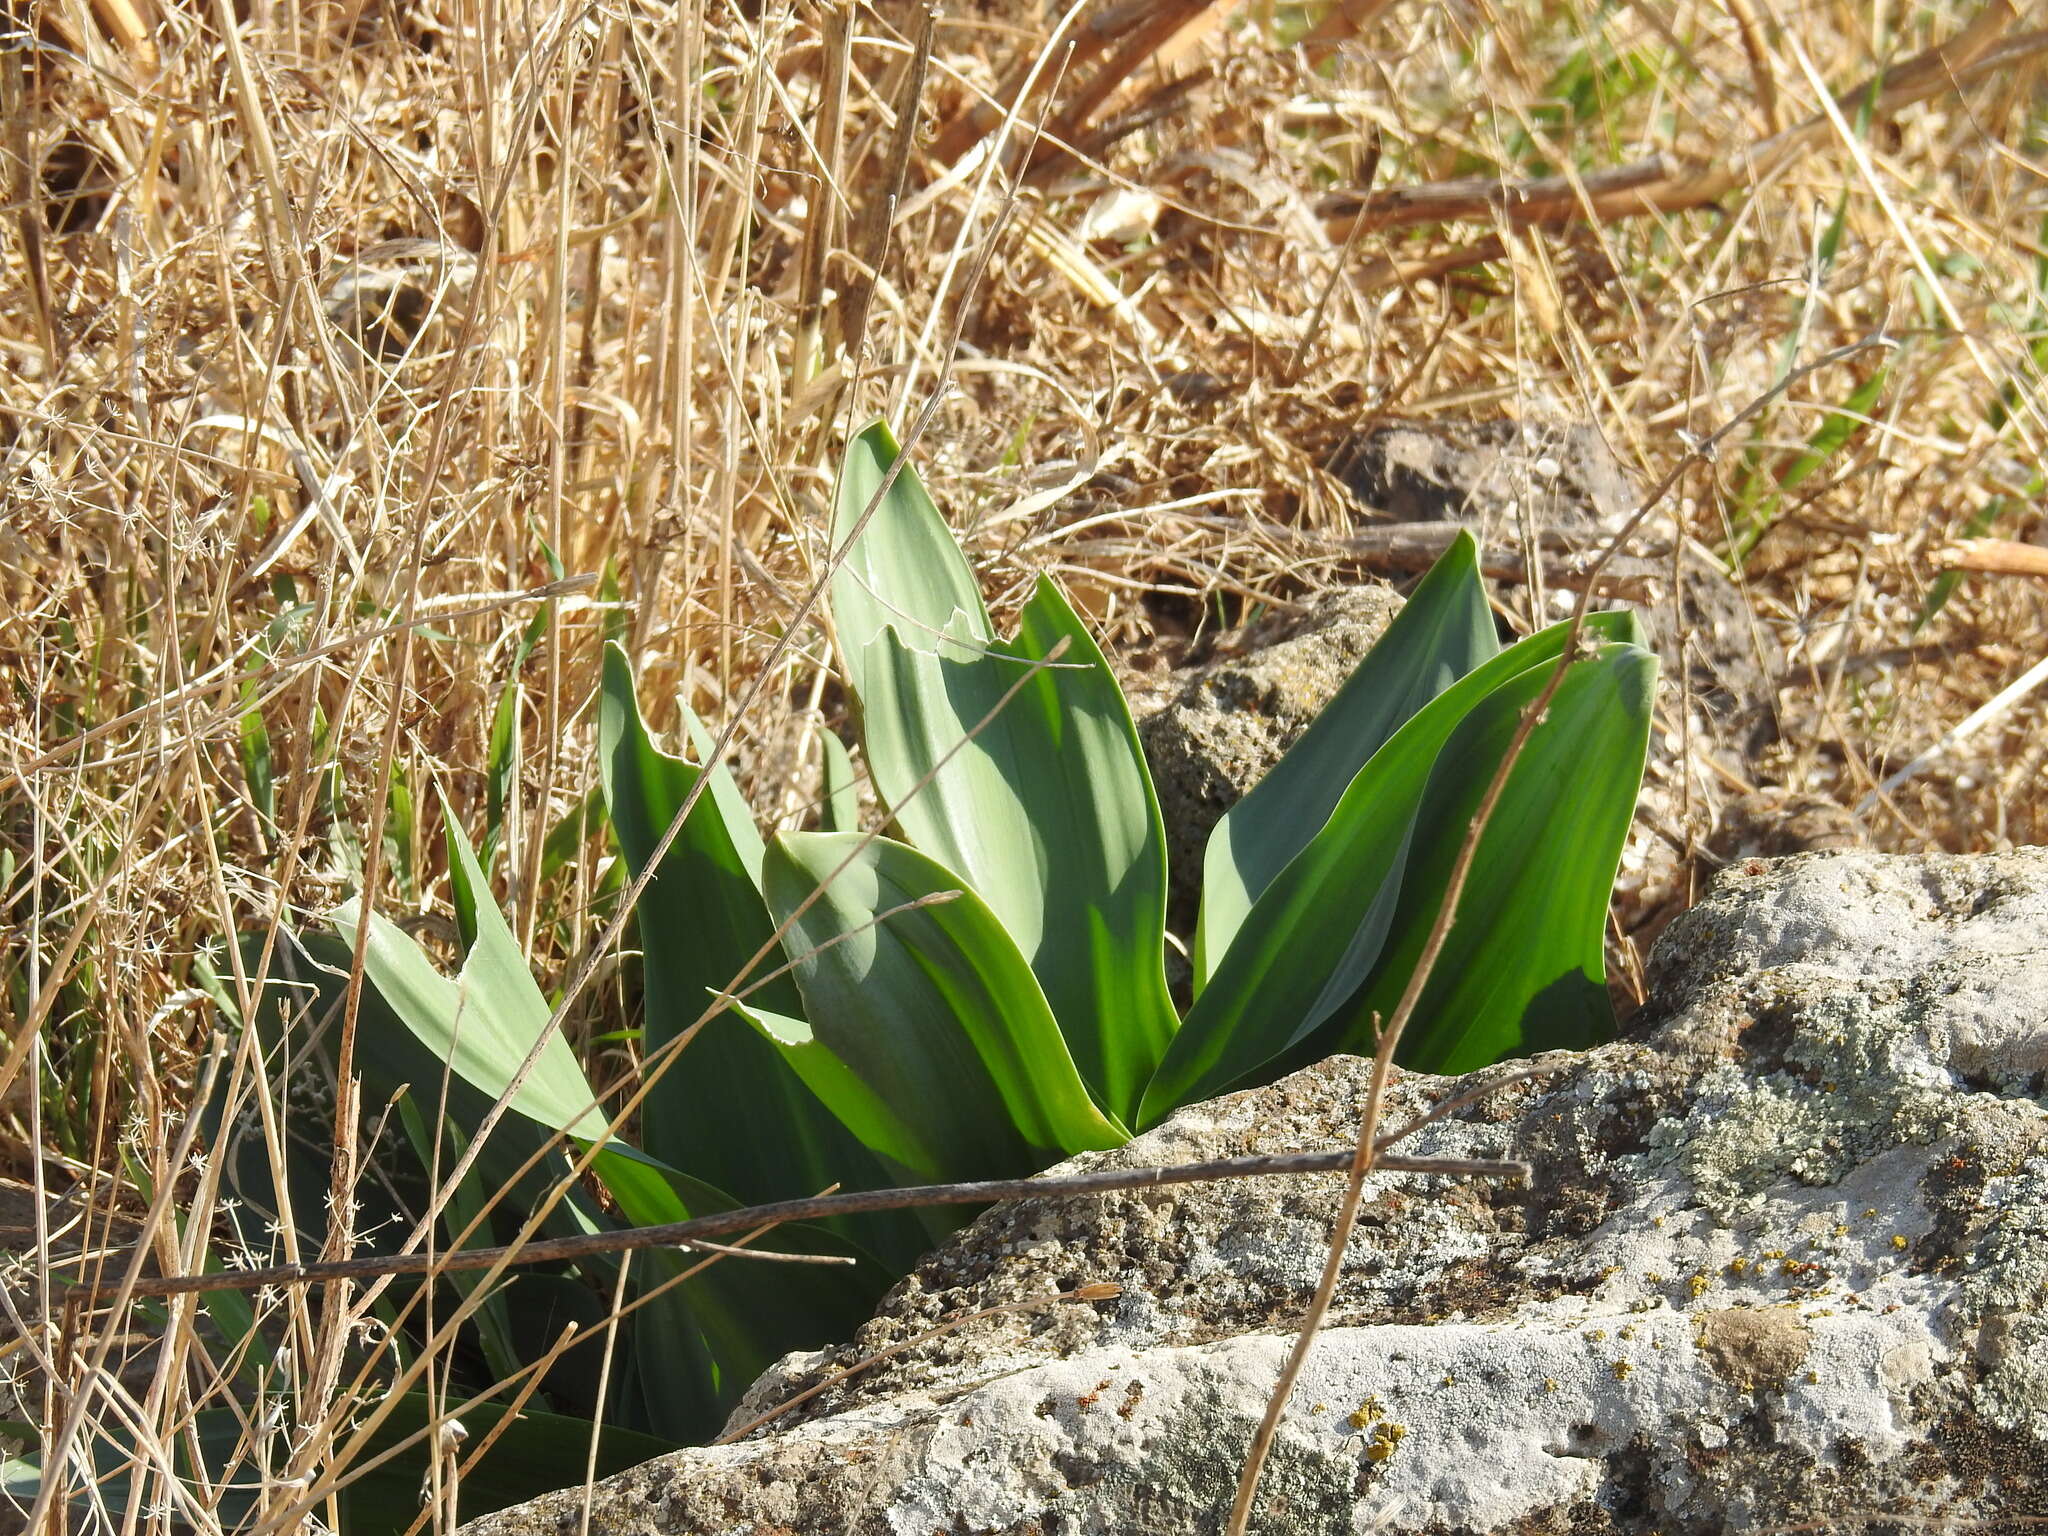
[[987, 992]]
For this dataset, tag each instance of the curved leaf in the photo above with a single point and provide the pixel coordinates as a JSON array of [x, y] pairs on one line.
[[1443, 631], [1318, 932], [841, 809], [930, 1006], [728, 1110], [858, 1107], [1043, 802], [1523, 968], [483, 1024], [905, 568], [484, 1021], [750, 1313]]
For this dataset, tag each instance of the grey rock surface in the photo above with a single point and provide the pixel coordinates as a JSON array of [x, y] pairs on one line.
[[1560, 475], [1782, 1265]]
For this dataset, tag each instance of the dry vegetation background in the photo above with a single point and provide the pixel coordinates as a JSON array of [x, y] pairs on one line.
[[332, 333]]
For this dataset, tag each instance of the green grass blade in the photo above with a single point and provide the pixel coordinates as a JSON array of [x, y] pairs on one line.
[[501, 768], [930, 1005], [1042, 800], [257, 775], [566, 838], [1444, 631], [1837, 428]]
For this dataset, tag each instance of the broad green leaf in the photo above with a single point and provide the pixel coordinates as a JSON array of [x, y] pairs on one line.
[[858, 1107], [930, 1005], [733, 809], [484, 1021], [466, 1212], [1318, 932], [841, 809], [904, 568], [728, 1110], [1442, 633], [747, 1317], [297, 1017], [1523, 968], [1043, 802]]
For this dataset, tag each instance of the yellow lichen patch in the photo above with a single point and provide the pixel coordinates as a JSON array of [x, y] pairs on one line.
[[1367, 1412], [1386, 1437]]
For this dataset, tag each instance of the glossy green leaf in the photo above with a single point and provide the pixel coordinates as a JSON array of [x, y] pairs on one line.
[[1318, 932], [931, 1006], [1041, 799], [749, 1312], [728, 1111], [904, 568], [1443, 632], [1523, 969], [298, 1018], [865, 1112]]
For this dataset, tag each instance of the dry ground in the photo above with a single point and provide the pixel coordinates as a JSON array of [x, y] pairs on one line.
[[331, 333]]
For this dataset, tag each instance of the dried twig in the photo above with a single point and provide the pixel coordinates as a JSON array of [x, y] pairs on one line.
[[813, 1208], [1655, 184], [1997, 557], [2000, 704]]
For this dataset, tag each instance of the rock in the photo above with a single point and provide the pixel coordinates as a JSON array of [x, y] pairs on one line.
[[1773, 822], [1215, 730], [1488, 473], [1782, 1264]]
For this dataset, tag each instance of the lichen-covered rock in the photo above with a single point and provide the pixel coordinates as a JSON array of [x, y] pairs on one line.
[[1783, 1264]]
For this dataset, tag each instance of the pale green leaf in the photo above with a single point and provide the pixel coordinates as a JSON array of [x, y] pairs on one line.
[[1030, 783], [930, 1005]]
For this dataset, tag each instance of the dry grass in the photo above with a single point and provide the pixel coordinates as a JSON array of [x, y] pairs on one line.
[[642, 297]]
